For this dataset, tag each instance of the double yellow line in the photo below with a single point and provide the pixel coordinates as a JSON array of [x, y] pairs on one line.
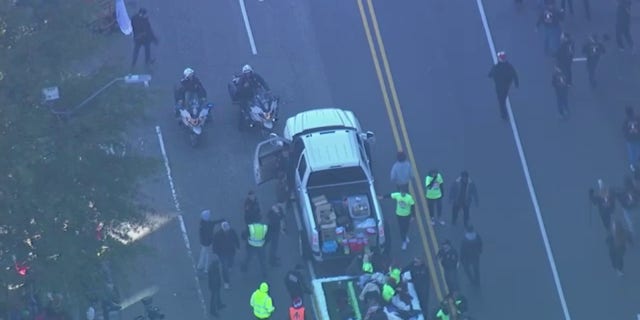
[[402, 141]]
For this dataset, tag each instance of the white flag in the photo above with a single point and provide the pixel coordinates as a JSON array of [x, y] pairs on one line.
[[123, 17]]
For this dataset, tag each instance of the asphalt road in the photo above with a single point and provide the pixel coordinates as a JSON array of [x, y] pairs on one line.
[[317, 54]]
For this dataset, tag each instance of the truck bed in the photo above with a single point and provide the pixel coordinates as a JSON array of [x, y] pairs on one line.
[[337, 196]]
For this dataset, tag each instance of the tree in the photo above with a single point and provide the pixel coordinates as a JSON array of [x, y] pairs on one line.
[[65, 185]]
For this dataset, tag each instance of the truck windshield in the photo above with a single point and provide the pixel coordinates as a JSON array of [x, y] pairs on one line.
[[336, 176]]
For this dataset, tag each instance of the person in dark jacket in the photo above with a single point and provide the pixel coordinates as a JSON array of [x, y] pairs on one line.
[[564, 56], [605, 202], [215, 283], [189, 86], [143, 36], [623, 24], [550, 19], [631, 130], [295, 283], [470, 250], [463, 193], [275, 218], [206, 238], [225, 244], [628, 199], [251, 208], [593, 50], [560, 85], [503, 75], [421, 282], [449, 260]]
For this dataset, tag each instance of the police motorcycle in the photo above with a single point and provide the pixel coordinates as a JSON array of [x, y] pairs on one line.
[[193, 116], [261, 110]]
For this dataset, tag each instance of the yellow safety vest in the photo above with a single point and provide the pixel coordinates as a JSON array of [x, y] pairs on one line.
[[434, 192], [387, 292], [403, 203], [257, 234], [262, 304]]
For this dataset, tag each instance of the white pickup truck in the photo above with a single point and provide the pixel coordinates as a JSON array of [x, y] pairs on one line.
[[328, 169]]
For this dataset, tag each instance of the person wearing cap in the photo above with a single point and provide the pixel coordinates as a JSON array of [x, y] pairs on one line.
[[296, 311], [261, 302], [206, 238], [503, 75], [401, 173], [449, 260], [404, 212], [295, 283], [462, 193], [225, 245], [143, 36]]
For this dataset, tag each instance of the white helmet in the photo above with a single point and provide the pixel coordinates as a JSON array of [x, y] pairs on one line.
[[247, 68], [188, 72]]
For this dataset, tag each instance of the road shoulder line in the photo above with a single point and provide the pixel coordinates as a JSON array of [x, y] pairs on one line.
[[183, 227]]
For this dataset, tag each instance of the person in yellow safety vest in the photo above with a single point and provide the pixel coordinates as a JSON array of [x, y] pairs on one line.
[[296, 311], [404, 212], [394, 274], [455, 301], [388, 292], [255, 234], [261, 302], [434, 185]]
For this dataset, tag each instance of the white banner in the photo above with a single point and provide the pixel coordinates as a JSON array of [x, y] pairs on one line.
[[123, 17]]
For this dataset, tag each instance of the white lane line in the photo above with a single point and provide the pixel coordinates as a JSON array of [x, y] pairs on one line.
[[183, 228], [525, 168], [579, 59], [638, 316], [247, 26]]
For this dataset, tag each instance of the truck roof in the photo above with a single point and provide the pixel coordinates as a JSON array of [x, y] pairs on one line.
[[332, 148], [319, 118]]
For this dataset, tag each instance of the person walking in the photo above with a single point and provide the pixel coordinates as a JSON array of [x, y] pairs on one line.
[[503, 75], [404, 212], [261, 302], [470, 250], [564, 56], [401, 173], [631, 130], [617, 241], [255, 234], [251, 208], [434, 184], [206, 238], [295, 283], [550, 19], [143, 36], [561, 88], [463, 192], [275, 218], [449, 260], [628, 199], [604, 202], [283, 194], [215, 282], [623, 25], [564, 3], [225, 245], [421, 281], [593, 50]]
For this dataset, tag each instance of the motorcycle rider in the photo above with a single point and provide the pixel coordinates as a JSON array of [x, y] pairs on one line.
[[247, 85], [189, 85]]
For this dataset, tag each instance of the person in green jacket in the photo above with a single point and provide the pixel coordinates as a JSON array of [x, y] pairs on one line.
[[434, 186]]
